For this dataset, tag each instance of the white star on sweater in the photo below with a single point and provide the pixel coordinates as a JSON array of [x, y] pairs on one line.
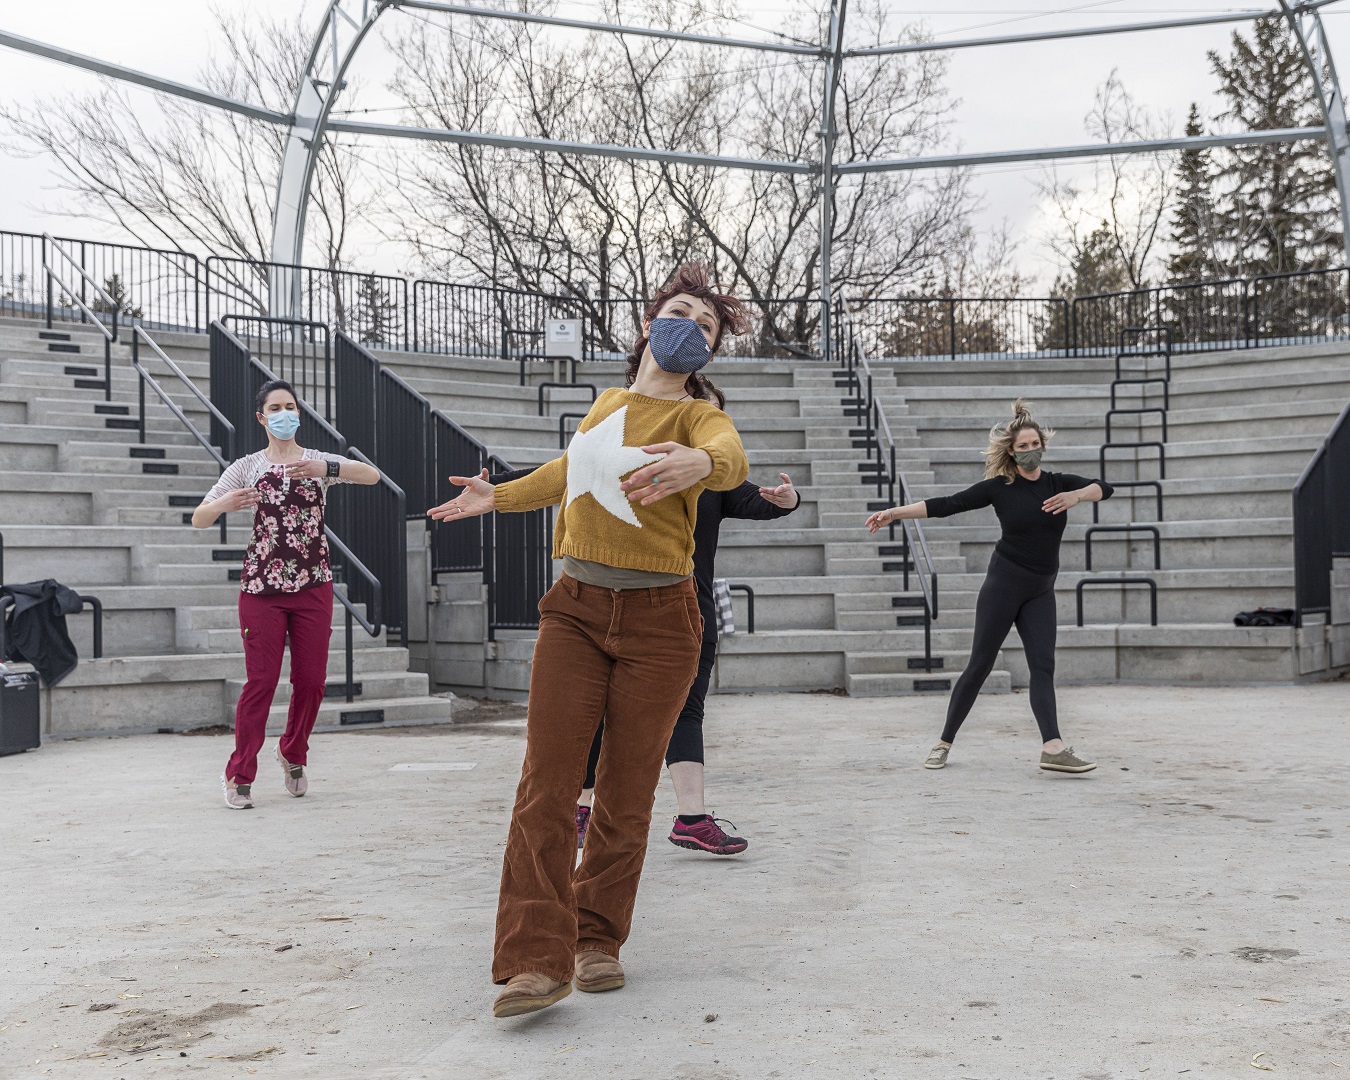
[[598, 459]]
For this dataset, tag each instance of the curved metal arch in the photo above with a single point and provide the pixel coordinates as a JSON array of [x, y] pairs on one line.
[[1306, 23], [330, 55]]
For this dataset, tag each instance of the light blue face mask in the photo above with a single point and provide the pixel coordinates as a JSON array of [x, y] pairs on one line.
[[284, 424]]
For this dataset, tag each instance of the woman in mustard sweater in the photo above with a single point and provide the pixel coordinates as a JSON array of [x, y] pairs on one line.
[[619, 638]]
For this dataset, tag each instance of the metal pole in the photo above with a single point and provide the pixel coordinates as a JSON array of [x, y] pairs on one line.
[[833, 63]]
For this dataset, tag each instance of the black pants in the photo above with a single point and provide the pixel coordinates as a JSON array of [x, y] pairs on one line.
[[1011, 596], [686, 741]]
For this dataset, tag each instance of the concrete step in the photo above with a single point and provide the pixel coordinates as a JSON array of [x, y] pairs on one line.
[[937, 683], [375, 685]]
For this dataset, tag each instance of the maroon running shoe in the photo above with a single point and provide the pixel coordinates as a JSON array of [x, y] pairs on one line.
[[583, 821], [706, 835]]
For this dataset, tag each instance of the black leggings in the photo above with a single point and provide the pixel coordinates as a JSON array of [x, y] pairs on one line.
[[1011, 596], [686, 741]]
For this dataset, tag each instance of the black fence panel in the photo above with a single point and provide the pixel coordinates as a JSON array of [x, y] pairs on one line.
[[482, 320], [1289, 309], [355, 372], [372, 308], [369, 521], [520, 564], [456, 546], [152, 287], [299, 352], [1322, 520], [955, 328], [404, 429]]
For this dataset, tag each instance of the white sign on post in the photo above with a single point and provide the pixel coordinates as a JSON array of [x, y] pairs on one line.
[[562, 338]]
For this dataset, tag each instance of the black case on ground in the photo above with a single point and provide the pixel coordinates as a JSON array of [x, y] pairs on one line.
[[20, 726]]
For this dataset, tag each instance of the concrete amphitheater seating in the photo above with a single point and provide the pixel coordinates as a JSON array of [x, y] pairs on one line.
[[85, 504]]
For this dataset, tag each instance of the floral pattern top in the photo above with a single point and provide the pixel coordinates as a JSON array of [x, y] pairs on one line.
[[288, 551]]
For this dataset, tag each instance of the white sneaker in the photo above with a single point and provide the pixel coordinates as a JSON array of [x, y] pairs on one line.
[[937, 757], [293, 775], [237, 796]]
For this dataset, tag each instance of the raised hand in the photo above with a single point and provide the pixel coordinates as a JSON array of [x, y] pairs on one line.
[[239, 499], [1057, 504], [784, 495], [477, 498], [682, 467], [882, 518], [309, 468]]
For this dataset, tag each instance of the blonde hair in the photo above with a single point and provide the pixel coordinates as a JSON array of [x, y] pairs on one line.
[[998, 459]]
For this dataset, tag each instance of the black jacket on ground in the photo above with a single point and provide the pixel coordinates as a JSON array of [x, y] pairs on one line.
[[35, 627], [744, 502]]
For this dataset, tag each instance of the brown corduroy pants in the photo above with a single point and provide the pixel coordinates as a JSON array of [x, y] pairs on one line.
[[628, 657]]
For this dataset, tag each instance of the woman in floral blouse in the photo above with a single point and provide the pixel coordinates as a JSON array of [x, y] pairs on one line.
[[286, 590]]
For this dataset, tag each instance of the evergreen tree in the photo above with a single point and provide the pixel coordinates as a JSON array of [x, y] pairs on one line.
[[376, 315], [1277, 208], [1193, 255]]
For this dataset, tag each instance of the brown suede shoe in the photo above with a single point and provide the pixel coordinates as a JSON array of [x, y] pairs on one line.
[[529, 992], [597, 971]]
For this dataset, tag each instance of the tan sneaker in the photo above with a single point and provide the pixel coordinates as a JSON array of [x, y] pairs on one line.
[[237, 796], [529, 992], [1066, 761], [937, 757], [597, 972], [294, 776]]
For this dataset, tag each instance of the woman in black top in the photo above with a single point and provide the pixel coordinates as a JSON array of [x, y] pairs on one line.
[[1019, 589]]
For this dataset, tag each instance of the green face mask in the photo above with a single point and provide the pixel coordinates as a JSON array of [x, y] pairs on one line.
[[1029, 459]]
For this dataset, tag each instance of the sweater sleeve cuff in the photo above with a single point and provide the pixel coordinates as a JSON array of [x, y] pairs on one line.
[[730, 467]]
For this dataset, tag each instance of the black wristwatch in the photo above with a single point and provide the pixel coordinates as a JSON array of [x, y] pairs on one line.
[[334, 467]]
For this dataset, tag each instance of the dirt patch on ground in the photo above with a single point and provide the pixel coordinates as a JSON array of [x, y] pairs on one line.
[[143, 1030]]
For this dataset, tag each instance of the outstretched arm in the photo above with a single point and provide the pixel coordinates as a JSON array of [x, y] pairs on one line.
[[916, 511], [753, 503]]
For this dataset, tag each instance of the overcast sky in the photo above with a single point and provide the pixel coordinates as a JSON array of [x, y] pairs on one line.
[[1011, 96]]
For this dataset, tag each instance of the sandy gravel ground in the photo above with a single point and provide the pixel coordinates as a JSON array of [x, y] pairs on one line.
[[1180, 912]]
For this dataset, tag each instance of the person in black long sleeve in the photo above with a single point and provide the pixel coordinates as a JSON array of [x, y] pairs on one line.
[[1019, 589], [694, 827]]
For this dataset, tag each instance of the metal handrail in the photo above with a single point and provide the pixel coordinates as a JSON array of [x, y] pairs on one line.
[[879, 427], [94, 603], [137, 333], [113, 306], [109, 336]]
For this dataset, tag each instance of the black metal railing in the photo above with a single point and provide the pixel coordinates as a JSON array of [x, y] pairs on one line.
[[456, 546], [167, 289], [1237, 313], [373, 308], [950, 327], [92, 602], [219, 421], [518, 563], [1131, 346], [152, 287], [298, 350], [1321, 520], [1123, 581], [104, 312], [364, 523], [882, 468]]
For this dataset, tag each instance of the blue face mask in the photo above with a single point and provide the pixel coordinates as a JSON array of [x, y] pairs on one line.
[[678, 345], [284, 424]]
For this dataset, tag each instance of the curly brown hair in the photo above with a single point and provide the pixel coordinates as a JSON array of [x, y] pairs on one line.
[[733, 318]]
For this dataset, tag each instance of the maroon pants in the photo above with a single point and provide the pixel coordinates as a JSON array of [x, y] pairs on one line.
[[266, 623], [629, 657]]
